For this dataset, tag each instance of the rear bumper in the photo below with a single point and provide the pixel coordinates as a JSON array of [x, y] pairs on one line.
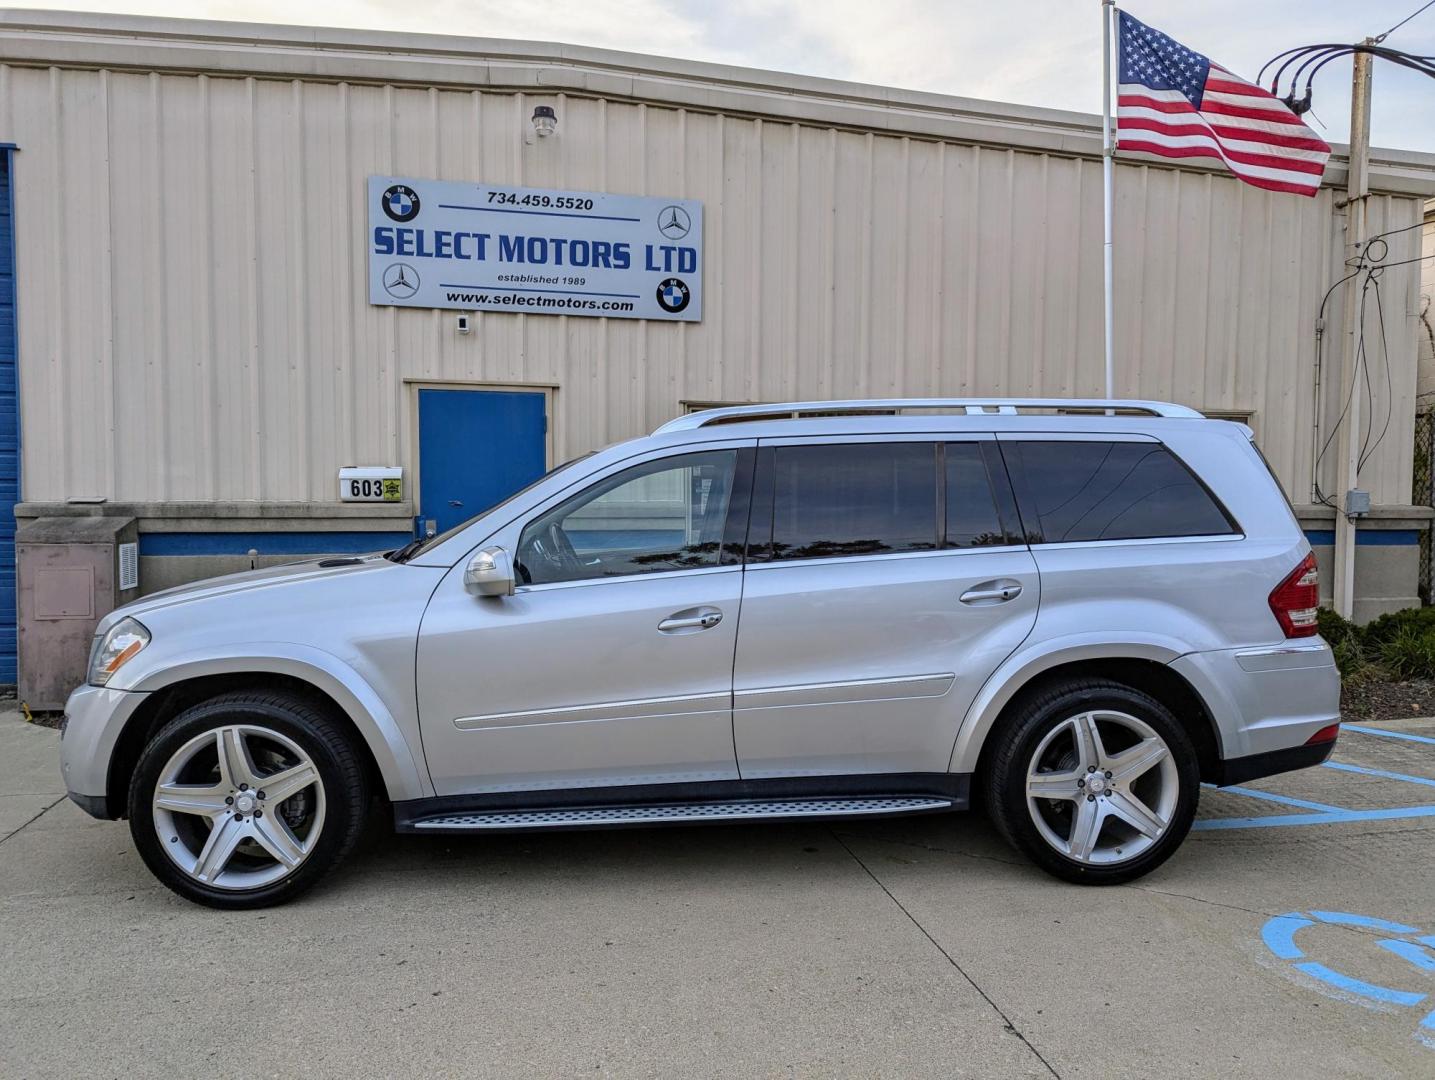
[[1266, 700], [1253, 766]]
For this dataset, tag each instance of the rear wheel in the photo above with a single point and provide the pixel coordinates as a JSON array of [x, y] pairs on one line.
[[1095, 781], [247, 800]]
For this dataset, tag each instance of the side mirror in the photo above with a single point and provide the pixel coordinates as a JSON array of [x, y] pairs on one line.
[[489, 573]]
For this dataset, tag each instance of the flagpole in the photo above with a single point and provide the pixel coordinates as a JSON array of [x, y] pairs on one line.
[[1108, 148]]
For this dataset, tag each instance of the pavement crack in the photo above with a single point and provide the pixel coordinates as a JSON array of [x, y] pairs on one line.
[[37, 817], [1006, 1020]]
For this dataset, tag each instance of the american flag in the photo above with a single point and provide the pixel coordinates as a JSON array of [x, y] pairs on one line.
[[1175, 103]]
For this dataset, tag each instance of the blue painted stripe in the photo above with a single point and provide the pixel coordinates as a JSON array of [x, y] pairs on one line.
[[534, 213], [1284, 800], [9, 416], [1367, 537], [1279, 934], [271, 543], [1367, 922], [1357, 986], [516, 288], [1343, 767], [1411, 953], [1388, 734], [1340, 817]]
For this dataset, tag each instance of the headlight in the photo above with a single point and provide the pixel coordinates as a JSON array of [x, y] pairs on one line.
[[115, 649]]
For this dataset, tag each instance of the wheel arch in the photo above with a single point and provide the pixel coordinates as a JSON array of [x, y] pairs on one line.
[[392, 766], [1144, 666]]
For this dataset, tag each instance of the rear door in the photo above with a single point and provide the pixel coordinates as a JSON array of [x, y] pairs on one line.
[[885, 581]]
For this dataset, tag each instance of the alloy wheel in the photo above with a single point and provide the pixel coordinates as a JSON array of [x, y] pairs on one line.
[[239, 807], [1102, 787]]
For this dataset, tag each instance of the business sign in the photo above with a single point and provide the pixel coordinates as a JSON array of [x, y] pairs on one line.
[[481, 247]]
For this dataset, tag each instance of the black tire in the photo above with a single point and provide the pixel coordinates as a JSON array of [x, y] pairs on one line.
[[1018, 739], [328, 745]]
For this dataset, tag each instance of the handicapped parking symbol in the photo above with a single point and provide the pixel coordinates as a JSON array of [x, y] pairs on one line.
[[1407, 942]]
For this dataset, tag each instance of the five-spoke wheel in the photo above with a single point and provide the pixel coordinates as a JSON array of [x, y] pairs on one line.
[[1101, 787], [247, 799], [1096, 781], [239, 806]]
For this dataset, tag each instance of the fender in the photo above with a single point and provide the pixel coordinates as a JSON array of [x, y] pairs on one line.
[[1025, 664], [403, 776]]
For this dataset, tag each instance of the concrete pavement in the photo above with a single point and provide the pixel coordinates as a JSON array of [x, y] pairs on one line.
[[911, 948]]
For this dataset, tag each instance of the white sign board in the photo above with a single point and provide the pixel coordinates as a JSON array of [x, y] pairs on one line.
[[481, 247], [371, 483]]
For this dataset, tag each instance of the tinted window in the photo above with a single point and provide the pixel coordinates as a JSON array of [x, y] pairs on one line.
[[662, 515], [853, 499], [1111, 491], [972, 519]]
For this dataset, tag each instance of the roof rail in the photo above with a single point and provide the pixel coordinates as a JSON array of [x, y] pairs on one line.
[[790, 410]]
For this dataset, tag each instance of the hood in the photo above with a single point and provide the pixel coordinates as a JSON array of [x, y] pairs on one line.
[[272, 577]]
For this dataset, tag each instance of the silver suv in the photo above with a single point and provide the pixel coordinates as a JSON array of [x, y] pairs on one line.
[[1073, 611]]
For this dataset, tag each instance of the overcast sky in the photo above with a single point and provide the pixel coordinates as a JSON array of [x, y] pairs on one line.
[[1036, 52]]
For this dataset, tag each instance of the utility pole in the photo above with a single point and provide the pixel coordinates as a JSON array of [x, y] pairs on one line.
[[1356, 198]]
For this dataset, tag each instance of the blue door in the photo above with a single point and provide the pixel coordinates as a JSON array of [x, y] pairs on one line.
[[476, 448], [9, 421]]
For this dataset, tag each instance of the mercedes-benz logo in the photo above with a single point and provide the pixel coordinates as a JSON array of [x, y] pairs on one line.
[[401, 281], [674, 222]]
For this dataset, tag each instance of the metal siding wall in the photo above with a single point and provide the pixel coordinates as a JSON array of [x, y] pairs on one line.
[[837, 263]]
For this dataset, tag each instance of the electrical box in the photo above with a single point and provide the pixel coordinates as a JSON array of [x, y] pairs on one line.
[[72, 572], [1357, 503], [371, 483]]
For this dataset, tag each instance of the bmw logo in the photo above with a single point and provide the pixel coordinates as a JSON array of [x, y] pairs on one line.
[[400, 202], [673, 294]]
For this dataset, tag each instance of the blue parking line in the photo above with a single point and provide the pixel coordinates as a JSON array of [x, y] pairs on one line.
[[1359, 986], [1337, 817], [1411, 953], [1388, 734], [1284, 800], [1279, 934], [1346, 918], [1343, 767]]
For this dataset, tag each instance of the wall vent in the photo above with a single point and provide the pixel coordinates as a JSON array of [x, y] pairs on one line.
[[129, 566]]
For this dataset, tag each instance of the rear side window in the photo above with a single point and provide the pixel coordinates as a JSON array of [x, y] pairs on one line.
[[1081, 491], [853, 499]]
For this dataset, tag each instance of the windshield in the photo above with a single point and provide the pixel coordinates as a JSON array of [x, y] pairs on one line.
[[417, 547]]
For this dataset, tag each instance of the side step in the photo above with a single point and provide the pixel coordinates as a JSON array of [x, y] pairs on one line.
[[591, 817]]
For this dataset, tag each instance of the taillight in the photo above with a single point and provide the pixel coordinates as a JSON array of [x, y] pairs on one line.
[[1295, 600], [1329, 733]]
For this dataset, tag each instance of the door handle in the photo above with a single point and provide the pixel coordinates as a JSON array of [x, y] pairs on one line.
[[691, 620], [992, 592]]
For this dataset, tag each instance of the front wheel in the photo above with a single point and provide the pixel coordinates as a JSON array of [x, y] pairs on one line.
[[247, 800], [1095, 781]]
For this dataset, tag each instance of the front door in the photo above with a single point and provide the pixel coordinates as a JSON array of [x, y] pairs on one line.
[[612, 661], [886, 581], [476, 448]]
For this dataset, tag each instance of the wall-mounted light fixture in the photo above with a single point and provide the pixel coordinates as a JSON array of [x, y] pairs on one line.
[[545, 120]]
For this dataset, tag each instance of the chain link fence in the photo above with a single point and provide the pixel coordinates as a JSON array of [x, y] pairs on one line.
[[1423, 493]]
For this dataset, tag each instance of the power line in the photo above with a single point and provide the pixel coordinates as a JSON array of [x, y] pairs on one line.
[[1405, 20]]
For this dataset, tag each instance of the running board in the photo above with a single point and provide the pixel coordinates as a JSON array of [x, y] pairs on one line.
[[598, 817]]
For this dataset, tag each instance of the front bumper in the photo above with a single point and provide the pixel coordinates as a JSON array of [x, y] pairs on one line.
[[94, 718]]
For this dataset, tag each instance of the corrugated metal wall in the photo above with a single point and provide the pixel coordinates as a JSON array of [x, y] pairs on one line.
[[194, 324]]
